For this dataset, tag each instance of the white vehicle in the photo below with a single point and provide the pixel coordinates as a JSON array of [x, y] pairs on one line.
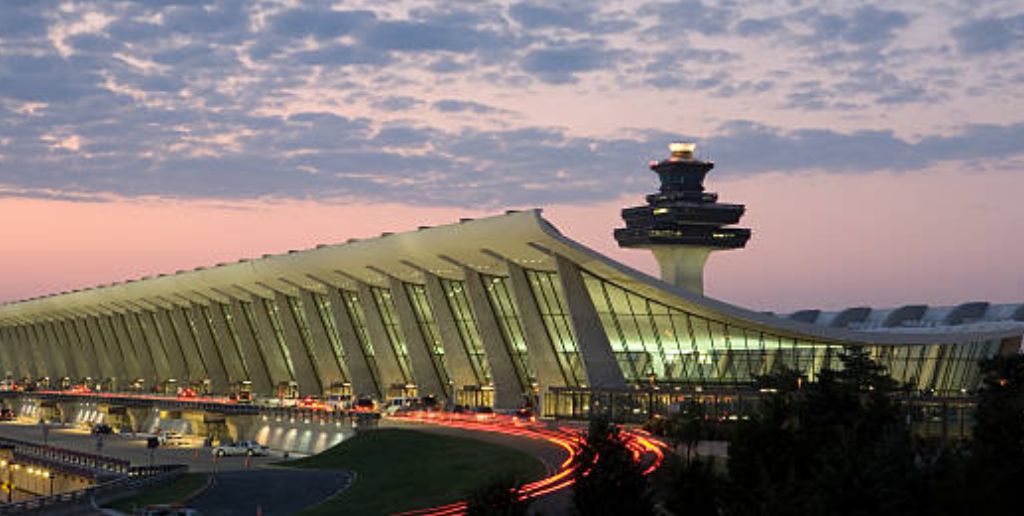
[[250, 448]]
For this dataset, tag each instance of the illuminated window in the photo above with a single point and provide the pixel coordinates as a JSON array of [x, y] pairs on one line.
[[427, 324], [465, 320], [386, 306], [547, 293], [511, 326]]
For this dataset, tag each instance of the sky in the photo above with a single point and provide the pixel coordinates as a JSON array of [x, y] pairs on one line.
[[879, 148]]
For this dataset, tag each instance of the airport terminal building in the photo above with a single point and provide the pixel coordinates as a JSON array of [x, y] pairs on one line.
[[495, 311]]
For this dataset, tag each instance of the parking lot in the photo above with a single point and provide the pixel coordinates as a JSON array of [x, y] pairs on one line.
[[133, 448]]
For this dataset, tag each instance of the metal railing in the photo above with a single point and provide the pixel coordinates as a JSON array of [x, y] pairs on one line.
[[134, 479], [72, 458]]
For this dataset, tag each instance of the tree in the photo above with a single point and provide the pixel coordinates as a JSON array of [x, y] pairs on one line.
[[997, 451], [609, 482], [499, 497]]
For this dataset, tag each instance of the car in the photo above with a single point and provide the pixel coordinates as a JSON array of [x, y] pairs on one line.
[[187, 392], [364, 405], [311, 403], [168, 438], [101, 429], [250, 448], [7, 414]]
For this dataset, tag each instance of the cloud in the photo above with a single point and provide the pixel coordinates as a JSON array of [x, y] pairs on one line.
[[990, 35], [464, 106], [561, 64]]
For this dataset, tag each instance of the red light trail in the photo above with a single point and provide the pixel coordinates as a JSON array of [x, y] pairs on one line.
[[644, 447]]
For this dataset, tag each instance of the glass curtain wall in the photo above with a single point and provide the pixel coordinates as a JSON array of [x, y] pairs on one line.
[[358, 317], [386, 306], [656, 342], [511, 326], [547, 293], [323, 311], [229, 321], [427, 324], [458, 302], [295, 305], [275, 323]]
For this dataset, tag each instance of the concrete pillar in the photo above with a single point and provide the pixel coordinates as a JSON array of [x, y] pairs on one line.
[[143, 348], [104, 352], [361, 371], [509, 391], [53, 364], [33, 351], [327, 364], [429, 380], [67, 326], [387, 360], [9, 349], [115, 355], [41, 352], [208, 348], [234, 367], [187, 341], [5, 357], [683, 266], [133, 367], [306, 375], [67, 367], [89, 350], [460, 369], [599, 362], [259, 375], [173, 348], [542, 354], [273, 349]]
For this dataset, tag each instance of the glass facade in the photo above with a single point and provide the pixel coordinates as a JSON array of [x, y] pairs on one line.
[[229, 321], [547, 293], [427, 324], [275, 323], [654, 342], [358, 317], [250, 321], [386, 307], [511, 327], [469, 336], [323, 311], [295, 305]]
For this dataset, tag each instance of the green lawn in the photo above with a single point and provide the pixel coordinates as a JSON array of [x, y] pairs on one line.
[[400, 470], [176, 491]]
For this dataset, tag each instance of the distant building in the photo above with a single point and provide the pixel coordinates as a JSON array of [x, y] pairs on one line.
[[496, 311]]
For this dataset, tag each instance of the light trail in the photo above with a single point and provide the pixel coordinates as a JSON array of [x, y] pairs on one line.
[[644, 448]]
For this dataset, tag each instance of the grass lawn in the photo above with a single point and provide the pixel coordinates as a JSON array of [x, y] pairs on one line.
[[400, 470], [176, 491]]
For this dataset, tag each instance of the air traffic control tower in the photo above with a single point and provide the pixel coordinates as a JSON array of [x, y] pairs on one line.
[[682, 224]]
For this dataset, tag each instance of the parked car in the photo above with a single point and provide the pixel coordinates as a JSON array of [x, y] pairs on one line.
[[102, 429], [250, 448], [168, 438], [7, 414]]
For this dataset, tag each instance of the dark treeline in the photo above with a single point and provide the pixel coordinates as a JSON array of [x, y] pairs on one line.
[[840, 445]]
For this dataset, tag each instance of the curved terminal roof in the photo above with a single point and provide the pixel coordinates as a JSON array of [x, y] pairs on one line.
[[523, 237]]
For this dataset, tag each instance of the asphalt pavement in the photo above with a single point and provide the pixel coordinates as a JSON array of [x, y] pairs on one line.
[[269, 491]]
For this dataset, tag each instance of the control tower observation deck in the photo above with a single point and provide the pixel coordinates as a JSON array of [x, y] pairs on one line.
[[682, 224]]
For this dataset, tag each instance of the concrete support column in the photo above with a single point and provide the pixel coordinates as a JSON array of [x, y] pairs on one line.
[[67, 327], [175, 353], [599, 362], [683, 265], [131, 357], [460, 369], [140, 342], [155, 343], [211, 355], [89, 350], [5, 353], [273, 352], [508, 390], [34, 352], [541, 351], [306, 375], [63, 349], [189, 347], [259, 375], [387, 360], [13, 362], [428, 379], [234, 367], [360, 370], [104, 350], [115, 355], [327, 364]]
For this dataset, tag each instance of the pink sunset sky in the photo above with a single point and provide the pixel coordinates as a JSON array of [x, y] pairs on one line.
[[879, 149]]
